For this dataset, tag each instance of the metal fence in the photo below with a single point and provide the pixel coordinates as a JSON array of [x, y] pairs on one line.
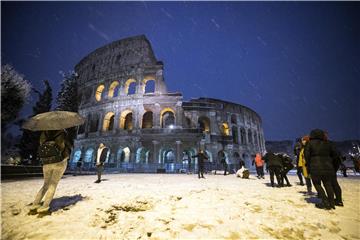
[[157, 167]]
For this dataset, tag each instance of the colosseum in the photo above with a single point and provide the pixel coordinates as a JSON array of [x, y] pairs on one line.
[[125, 102]]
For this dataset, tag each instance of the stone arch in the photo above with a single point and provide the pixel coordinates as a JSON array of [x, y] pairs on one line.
[[123, 155], [168, 158], [148, 84], [250, 136], [187, 122], [204, 124], [236, 155], [82, 127], [113, 89], [235, 135], [89, 155], [128, 86], [94, 124], [99, 92], [233, 119], [255, 139], [209, 155], [126, 120], [222, 154], [243, 135], [77, 156], [167, 117], [187, 156], [108, 124], [224, 129], [147, 120], [248, 161], [142, 155]]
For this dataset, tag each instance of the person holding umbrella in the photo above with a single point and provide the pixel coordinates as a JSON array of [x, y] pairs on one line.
[[54, 151]]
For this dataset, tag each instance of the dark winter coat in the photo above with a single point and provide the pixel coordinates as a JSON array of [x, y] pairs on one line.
[[321, 156], [297, 149], [61, 139], [103, 155], [272, 160], [201, 158], [286, 163]]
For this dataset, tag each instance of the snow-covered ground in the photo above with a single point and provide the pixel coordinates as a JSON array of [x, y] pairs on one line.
[[161, 206]]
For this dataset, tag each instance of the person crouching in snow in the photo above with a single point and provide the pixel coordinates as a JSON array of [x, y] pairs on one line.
[[286, 166], [259, 164], [243, 173], [54, 152], [273, 164]]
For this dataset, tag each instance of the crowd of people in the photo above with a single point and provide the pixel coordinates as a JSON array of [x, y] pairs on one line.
[[317, 162]]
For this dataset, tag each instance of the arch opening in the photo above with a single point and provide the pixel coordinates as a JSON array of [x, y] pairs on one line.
[[99, 92]]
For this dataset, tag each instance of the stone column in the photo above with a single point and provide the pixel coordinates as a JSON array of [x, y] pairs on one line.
[[101, 122], [155, 151], [213, 123], [160, 86], [178, 115], [156, 116], [178, 151], [135, 119], [139, 82]]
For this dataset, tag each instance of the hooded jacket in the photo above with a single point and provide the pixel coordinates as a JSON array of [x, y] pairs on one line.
[[272, 160], [320, 155]]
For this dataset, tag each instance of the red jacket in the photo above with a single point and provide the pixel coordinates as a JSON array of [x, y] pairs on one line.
[[258, 161]]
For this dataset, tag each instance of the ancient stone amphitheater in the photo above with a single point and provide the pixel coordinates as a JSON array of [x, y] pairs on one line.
[[125, 102]]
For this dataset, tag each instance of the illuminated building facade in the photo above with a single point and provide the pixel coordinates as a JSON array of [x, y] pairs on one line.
[[125, 102]]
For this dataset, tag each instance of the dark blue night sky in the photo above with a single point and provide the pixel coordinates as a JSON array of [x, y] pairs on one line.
[[295, 63]]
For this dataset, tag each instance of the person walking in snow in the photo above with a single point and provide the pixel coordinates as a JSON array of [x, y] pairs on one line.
[[259, 164], [54, 152], [320, 156]]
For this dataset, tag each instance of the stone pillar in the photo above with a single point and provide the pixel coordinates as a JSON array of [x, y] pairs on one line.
[[155, 151], [178, 151], [101, 122], [132, 155], [139, 82], [156, 116], [213, 123], [122, 88], [178, 115], [246, 137], [135, 119], [116, 122], [160, 86]]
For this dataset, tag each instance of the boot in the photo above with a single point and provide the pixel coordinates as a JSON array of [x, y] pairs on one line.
[[324, 205], [339, 203]]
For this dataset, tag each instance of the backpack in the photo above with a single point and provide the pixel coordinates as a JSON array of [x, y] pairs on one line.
[[49, 151], [246, 174]]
